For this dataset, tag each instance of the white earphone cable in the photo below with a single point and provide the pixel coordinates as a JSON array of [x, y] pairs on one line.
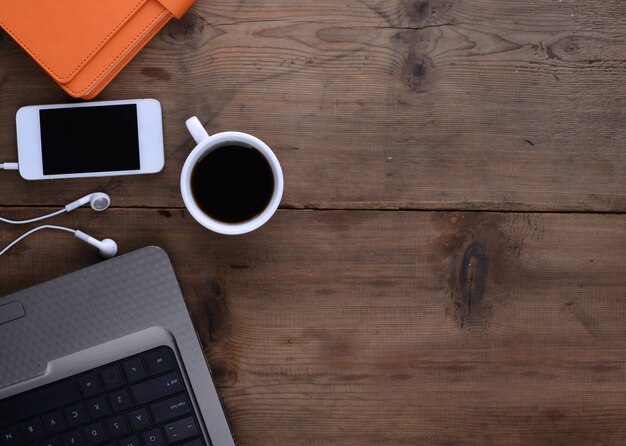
[[32, 220], [99, 201], [38, 228]]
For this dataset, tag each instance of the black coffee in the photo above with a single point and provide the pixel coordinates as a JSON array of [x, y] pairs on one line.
[[232, 183]]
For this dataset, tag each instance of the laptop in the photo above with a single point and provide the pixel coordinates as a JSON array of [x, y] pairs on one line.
[[106, 356]]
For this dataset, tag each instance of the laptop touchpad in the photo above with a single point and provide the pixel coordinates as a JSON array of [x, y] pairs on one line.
[[11, 311]]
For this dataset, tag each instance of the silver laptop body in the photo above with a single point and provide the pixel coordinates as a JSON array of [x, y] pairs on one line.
[[87, 325]]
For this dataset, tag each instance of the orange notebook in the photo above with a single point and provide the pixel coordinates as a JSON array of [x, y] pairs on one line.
[[83, 44]]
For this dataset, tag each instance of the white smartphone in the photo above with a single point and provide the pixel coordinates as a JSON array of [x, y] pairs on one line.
[[92, 139]]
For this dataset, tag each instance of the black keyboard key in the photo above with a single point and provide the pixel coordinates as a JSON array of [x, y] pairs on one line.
[[153, 437], [98, 407], [139, 418], [31, 430], [196, 442], [53, 422], [156, 388], [181, 430], [52, 441], [34, 402], [9, 436], [72, 438], [75, 415], [134, 369], [117, 426], [133, 440], [120, 400], [89, 385], [159, 360], [94, 434], [170, 408], [112, 377]]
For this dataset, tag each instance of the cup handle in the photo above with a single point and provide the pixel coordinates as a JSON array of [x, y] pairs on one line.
[[196, 129]]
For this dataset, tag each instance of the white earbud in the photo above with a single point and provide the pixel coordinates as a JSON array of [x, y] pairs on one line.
[[98, 201], [107, 247]]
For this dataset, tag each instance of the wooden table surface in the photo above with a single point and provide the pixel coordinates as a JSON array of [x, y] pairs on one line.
[[447, 265]]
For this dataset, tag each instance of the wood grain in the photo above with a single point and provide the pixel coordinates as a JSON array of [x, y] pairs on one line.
[[363, 327], [403, 104], [376, 307]]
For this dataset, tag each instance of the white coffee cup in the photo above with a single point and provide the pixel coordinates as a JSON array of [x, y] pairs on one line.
[[205, 145]]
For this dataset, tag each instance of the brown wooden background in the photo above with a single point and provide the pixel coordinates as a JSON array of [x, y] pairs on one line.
[[447, 266]]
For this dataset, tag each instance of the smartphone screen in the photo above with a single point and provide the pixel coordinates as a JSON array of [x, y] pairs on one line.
[[89, 139]]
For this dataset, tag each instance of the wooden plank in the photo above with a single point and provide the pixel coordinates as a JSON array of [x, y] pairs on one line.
[[423, 104], [359, 327]]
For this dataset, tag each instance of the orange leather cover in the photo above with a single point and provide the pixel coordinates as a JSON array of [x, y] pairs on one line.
[[83, 44]]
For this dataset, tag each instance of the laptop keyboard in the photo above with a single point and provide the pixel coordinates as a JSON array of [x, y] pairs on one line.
[[137, 401]]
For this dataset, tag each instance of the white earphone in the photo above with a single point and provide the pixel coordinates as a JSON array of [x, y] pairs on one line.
[[107, 247], [98, 201]]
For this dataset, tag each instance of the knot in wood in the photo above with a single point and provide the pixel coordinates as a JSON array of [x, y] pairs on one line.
[[418, 72], [418, 10], [473, 275]]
